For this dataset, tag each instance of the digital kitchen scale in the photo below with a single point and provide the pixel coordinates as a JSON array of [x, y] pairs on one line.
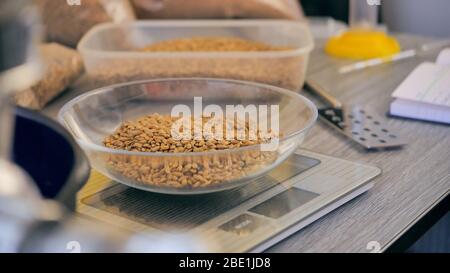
[[251, 218]]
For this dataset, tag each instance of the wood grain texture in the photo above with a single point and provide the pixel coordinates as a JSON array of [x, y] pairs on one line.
[[413, 179]]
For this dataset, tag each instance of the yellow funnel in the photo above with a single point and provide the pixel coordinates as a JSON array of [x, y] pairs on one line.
[[362, 44]]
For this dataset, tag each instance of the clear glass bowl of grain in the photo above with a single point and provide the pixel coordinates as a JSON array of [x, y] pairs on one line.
[[126, 131]]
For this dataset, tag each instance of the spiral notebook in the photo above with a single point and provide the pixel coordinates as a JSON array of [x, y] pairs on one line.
[[425, 93]]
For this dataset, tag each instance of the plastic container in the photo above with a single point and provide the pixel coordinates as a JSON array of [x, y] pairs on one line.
[[110, 51], [96, 114]]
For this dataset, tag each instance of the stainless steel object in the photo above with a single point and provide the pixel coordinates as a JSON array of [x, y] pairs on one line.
[[361, 125], [28, 221], [19, 63]]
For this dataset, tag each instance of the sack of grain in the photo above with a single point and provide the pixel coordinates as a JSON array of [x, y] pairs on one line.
[[66, 24], [197, 9], [62, 66]]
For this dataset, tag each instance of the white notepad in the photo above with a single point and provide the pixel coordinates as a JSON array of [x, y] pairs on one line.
[[425, 93]]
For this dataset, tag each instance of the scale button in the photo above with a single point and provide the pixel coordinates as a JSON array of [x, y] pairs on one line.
[[242, 225]]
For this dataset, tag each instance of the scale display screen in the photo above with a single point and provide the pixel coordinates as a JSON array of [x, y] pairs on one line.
[[284, 202]]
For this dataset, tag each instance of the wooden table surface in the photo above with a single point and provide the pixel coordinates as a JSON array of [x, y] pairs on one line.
[[414, 178]]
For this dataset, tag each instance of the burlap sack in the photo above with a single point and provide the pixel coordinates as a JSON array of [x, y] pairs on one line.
[[66, 24], [62, 66], [197, 9]]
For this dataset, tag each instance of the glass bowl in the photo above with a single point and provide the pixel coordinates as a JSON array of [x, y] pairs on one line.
[[96, 114]]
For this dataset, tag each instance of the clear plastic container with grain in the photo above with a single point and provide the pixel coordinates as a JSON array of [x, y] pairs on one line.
[[111, 51]]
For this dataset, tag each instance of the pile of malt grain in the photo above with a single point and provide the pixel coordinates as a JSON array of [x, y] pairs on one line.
[[152, 133], [222, 44]]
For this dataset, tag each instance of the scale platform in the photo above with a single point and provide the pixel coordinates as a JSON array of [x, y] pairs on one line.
[[251, 218]]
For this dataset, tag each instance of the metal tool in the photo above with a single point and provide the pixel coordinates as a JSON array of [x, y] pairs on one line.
[[359, 124]]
